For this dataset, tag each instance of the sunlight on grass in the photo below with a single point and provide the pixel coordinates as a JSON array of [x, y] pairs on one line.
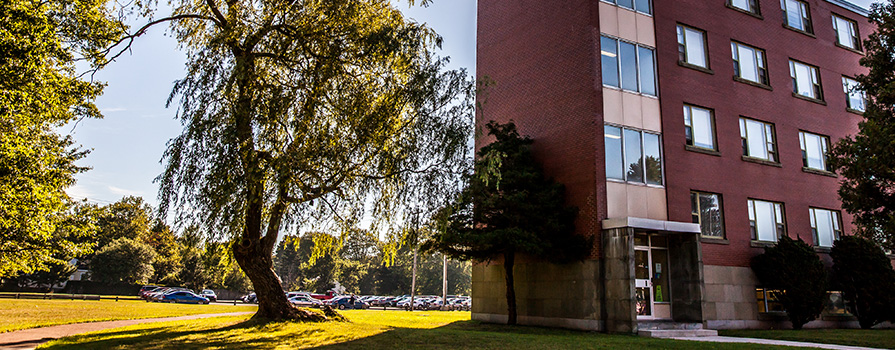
[[23, 314], [368, 329], [873, 338]]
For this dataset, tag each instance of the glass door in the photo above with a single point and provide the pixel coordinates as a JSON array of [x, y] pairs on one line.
[[642, 283]]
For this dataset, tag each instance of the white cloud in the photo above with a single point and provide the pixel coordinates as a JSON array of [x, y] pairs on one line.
[[124, 192], [113, 109], [78, 192]]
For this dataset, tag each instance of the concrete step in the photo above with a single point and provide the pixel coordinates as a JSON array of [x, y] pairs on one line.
[[661, 324], [676, 333]]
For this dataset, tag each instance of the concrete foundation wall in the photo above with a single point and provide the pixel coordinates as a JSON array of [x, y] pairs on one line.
[[550, 295], [729, 294]]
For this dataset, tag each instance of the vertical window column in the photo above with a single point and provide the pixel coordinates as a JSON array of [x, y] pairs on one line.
[[632, 155], [628, 66]]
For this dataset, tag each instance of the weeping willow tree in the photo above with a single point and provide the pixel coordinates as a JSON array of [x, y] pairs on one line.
[[303, 110]]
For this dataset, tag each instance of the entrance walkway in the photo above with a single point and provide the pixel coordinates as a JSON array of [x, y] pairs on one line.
[[31, 338], [773, 342]]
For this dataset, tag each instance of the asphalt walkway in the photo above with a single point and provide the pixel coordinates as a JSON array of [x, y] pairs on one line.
[[719, 339], [31, 338]]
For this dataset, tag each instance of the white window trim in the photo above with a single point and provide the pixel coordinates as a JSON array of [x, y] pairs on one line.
[[849, 90], [804, 17], [835, 226], [769, 139], [688, 115], [813, 79], [825, 149], [779, 213], [758, 58], [702, 34], [852, 31]]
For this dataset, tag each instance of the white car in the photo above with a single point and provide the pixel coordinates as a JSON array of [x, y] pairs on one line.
[[305, 301]]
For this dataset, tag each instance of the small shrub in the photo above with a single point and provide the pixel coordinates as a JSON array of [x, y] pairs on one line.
[[794, 268], [864, 275]]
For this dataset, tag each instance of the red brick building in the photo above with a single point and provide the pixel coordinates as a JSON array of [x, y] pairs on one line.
[[689, 133]]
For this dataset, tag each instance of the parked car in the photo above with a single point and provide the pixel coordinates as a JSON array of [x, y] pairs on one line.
[[208, 293], [183, 296], [344, 302], [250, 298], [305, 301], [146, 288]]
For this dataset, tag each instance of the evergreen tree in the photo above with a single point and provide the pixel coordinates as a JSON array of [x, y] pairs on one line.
[[795, 269], [509, 208]]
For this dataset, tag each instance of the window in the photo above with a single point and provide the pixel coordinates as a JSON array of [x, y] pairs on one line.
[[707, 213], [691, 46], [814, 150], [627, 150], [796, 15], [855, 99], [749, 63], [628, 66], [700, 127], [766, 220], [642, 6], [758, 139], [750, 6], [805, 80], [768, 300], [846, 33], [825, 226]]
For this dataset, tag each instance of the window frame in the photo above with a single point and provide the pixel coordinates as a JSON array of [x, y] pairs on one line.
[[689, 129], [825, 149], [696, 213], [643, 155], [853, 30], [779, 221], [848, 96], [836, 224], [813, 72], [637, 66], [755, 4], [761, 65], [683, 56], [635, 8], [772, 151], [804, 17]]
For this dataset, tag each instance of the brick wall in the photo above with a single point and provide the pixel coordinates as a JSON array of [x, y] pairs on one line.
[[737, 180]]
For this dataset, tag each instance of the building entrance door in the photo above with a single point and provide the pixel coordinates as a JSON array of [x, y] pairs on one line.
[[651, 287]]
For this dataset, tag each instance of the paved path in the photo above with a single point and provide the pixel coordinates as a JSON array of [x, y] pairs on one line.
[[31, 338], [719, 339]]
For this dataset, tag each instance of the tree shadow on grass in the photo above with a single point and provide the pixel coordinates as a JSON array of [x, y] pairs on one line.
[[456, 335]]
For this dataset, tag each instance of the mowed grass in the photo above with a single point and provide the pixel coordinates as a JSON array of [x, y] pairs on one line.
[[367, 329], [18, 314], [871, 338]]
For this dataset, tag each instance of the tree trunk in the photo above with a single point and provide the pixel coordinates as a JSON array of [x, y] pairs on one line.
[[508, 262], [272, 302]]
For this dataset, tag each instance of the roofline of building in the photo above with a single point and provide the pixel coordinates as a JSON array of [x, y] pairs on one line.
[[849, 6]]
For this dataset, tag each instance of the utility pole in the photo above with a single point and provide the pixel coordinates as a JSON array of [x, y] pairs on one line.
[[413, 278], [444, 283]]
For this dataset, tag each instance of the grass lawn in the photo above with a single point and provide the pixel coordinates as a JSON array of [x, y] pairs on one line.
[[368, 329], [873, 338], [23, 313]]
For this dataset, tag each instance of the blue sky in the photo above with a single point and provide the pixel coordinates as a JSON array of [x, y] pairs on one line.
[[128, 143]]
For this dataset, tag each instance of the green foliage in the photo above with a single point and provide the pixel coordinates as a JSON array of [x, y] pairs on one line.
[[863, 272], [307, 111], [123, 261], [794, 268], [521, 212], [129, 217], [865, 160], [40, 91], [363, 273], [507, 210], [193, 274]]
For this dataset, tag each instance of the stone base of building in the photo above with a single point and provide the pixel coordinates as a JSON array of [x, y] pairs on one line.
[[555, 322]]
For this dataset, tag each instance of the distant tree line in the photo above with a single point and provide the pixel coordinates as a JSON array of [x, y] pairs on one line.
[[130, 245], [359, 263]]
